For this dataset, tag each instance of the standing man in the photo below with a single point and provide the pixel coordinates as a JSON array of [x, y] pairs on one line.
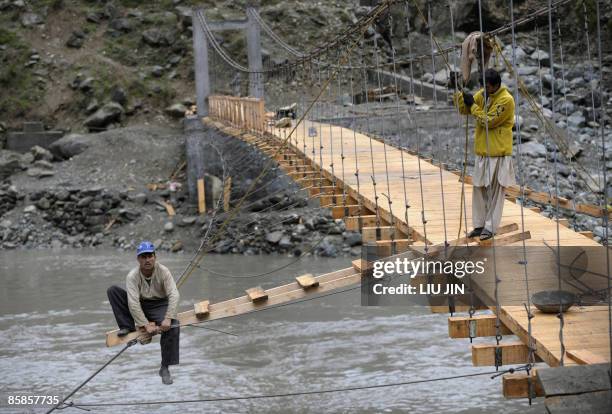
[[149, 304], [493, 109]]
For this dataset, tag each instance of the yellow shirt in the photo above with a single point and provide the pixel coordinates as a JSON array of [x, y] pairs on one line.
[[499, 117], [161, 286]]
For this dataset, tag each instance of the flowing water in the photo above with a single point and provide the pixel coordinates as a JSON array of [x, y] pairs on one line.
[[54, 312]]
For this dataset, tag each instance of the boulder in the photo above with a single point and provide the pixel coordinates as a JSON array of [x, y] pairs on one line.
[[31, 19], [41, 153], [94, 17], [69, 146], [119, 95], [157, 71], [152, 37], [121, 25], [274, 237], [76, 40], [176, 110], [576, 120], [533, 149], [519, 54], [10, 162], [527, 70], [108, 114], [542, 56], [352, 238]]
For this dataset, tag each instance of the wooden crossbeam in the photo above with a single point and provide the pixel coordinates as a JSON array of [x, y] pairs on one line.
[[478, 326], [257, 294], [243, 304], [356, 223], [506, 353], [516, 385], [339, 212], [328, 190], [380, 233], [504, 241], [391, 247], [201, 309]]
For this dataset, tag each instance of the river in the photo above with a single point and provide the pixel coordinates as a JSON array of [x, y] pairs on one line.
[[54, 313]]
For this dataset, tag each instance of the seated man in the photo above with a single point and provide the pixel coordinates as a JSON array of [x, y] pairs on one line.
[[149, 304]]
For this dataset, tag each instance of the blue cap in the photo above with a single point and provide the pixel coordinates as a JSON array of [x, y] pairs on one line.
[[145, 247]]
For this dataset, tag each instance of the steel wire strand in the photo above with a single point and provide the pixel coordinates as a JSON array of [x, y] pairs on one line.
[[199, 254], [531, 340], [281, 395]]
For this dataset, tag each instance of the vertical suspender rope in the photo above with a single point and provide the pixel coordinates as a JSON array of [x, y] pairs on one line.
[[564, 90], [605, 195], [360, 222], [435, 100], [342, 157], [399, 134], [320, 115], [498, 336], [418, 148], [388, 195], [369, 133], [558, 258], [523, 262]]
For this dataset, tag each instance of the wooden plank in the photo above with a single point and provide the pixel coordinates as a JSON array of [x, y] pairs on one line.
[[391, 247], [169, 208], [227, 191], [355, 223], [574, 379], [584, 356], [201, 196], [340, 211], [588, 234], [201, 309], [599, 402], [380, 233], [307, 281], [504, 241], [243, 305], [481, 325], [514, 352], [517, 385], [257, 294]]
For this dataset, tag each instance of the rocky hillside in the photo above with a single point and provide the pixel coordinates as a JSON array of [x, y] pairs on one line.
[[63, 60]]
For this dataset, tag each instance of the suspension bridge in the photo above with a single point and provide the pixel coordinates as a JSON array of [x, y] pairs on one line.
[[409, 194]]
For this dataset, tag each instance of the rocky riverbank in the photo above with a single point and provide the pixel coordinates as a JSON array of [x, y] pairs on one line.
[[103, 190]]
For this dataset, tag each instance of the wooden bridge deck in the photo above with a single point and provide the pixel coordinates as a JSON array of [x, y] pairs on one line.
[[586, 328], [439, 227]]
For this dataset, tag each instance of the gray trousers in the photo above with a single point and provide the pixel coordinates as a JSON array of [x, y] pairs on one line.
[[155, 311], [488, 205]]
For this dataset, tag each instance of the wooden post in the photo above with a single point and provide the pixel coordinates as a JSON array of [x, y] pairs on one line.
[[227, 190], [201, 196]]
